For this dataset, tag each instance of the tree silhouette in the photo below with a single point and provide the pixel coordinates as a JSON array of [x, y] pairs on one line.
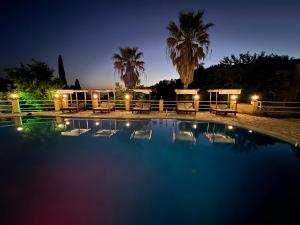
[[61, 71]]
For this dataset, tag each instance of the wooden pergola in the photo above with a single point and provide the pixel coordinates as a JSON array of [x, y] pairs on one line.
[[103, 91], [227, 92], [144, 91], [63, 92]]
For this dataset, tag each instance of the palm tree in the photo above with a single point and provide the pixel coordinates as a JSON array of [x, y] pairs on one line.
[[188, 44], [128, 65]]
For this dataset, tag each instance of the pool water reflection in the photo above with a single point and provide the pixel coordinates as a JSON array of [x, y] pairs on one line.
[[160, 171]]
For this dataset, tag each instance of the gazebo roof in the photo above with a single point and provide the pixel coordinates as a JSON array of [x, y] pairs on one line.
[[226, 91], [103, 90], [144, 91], [68, 91], [186, 91]]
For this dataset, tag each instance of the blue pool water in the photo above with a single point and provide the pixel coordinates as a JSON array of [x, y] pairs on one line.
[[164, 172]]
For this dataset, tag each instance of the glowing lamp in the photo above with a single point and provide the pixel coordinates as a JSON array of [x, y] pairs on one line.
[[95, 96], [56, 95], [14, 96], [65, 96], [254, 97], [97, 123], [250, 131], [230, 127], [233, 97], [127, 124], [19, 128], [196, 97], [60, 125], [195, 126], [67, 122], [127, 96]]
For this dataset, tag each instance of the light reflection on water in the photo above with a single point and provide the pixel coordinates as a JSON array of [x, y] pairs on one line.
[[79, 171]]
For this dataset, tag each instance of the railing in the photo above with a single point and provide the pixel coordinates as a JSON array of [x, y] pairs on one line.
[[36, 105], [279, 108], [5, 106]]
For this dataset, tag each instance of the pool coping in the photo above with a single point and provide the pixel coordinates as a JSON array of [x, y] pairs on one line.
[[283, 129]]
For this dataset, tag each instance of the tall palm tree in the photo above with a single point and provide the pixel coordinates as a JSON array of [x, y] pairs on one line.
[[188, 44], [128, 65]]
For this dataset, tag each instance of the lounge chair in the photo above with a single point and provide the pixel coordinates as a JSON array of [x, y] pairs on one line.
[[185, 107], [142, 107], [105, 107], [222, 109], [73, 107]]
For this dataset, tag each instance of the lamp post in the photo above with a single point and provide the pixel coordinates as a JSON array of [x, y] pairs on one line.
[[127, 102], [254, 103], [196, 102], [57, 102], [15, 103]]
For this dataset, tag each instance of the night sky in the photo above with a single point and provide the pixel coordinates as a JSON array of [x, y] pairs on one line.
[[87, 33]]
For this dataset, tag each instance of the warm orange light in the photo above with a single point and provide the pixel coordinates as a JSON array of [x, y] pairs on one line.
[[65, 96], [14, 96], [254, 97], [196, 97], [95, 96], [56, 95], [233, 97], [127, 96]]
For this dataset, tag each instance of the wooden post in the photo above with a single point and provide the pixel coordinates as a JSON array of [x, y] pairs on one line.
[[15, 105], [65, 102], [161, 105], [95, 101], [254, 104], [196, 104], [57, 103], [127, 104]]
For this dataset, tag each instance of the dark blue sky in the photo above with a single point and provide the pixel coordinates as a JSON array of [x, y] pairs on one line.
[[87, 33]]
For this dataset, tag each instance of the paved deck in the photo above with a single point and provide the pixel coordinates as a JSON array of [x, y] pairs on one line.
[[285, 129]]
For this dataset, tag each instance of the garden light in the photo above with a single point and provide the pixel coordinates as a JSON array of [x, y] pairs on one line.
[[65, 96], [254, 97], [95, 96], [97, 123], [233, 97], [14, 96], [196, 97], [230, 127], [127, 96], [56, 95], [127, 124]]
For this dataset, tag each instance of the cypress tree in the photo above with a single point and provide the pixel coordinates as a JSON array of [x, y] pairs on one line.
[[77, 85], [61, 71]]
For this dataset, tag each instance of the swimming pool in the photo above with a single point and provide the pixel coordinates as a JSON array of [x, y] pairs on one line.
[[159, 171]]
